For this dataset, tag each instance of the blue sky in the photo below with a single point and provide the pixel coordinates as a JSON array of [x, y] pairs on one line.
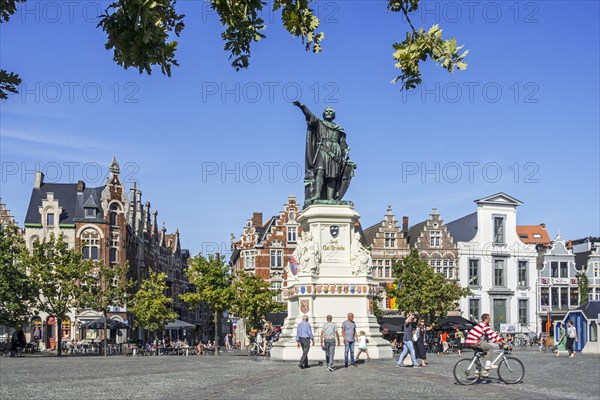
[[523, 119]]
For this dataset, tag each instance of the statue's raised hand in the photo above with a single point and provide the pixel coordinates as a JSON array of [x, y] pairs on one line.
[[298, 104]]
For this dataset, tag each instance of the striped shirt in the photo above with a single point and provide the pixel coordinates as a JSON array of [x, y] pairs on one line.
[[475, 334]]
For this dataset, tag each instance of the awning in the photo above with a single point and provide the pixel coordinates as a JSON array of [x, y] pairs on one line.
[[179, 324], [276, 318], [392, 325], [453, 322], [99, 324]]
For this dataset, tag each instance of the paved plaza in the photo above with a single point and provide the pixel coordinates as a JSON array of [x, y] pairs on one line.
[[235, 375]]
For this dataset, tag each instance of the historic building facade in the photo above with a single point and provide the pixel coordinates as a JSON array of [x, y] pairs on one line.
[[266, 247], [387, 242], [493, 261], [109, 227]]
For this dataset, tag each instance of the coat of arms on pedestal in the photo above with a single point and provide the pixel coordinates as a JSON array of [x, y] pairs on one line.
[[304, 306]]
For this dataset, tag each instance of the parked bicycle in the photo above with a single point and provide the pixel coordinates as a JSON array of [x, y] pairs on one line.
[[470, 370]]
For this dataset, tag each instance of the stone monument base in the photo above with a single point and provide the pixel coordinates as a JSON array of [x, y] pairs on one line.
[[335, 288]]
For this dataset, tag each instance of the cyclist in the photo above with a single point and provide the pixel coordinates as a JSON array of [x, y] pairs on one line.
[[475, 339]]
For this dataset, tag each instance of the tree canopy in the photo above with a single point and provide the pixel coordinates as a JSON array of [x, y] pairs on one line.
[[57, 273], [17, 292], [150, 306], [253, 299], [418, 289], [141, 33]]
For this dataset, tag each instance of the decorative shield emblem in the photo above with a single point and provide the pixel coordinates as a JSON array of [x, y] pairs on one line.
[[332, 288], [334, 230], [359, 289], [352, 288], [302, 289], [309, 289], [325, 289], [304, 308], [345, 288], [295, 289]]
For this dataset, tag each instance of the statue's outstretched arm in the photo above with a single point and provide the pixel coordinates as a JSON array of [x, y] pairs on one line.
[[307, 113]]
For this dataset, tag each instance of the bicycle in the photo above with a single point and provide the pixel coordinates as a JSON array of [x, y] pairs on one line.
[[256, 348], [470, 370]]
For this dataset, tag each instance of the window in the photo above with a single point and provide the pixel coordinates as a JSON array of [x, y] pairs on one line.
[[114, 245], [555, 296], [292, 234], [596, 269], [276, 258], [544, 296], [90, 241], [113, 255], [523, 236], [390, 240], [474, 310], [523, 281], [114, 208], [574, 296], [564, 269], [499, 230], [473, 272], [523, 311], [50, 219], [388, 272], [277, 286], [435, 239], [90, 212], [554, 269], [537, 236], [499, 273], [249, 259], [564, 298]]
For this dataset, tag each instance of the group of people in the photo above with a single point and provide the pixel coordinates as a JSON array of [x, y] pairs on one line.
[[566, 339], [329, 337]]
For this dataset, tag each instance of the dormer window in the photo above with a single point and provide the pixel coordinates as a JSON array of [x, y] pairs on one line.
[[90, 212]]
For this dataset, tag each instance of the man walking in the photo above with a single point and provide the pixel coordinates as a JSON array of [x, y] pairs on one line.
[[329, 334], [349, 334], [304, 337], [408, 343]]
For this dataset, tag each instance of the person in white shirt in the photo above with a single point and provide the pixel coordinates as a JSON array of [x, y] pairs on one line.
[[571, 338], [362, 345]]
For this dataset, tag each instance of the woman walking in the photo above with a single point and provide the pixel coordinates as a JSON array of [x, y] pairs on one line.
[[571, 338], [562, 339], [421, 354]]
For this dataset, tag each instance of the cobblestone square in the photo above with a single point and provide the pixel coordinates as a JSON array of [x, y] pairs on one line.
[[237, 376]]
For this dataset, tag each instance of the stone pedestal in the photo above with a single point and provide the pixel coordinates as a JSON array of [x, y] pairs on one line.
[[329, 281]]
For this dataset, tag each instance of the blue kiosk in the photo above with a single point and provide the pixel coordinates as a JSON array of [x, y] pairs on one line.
[[585, 320]]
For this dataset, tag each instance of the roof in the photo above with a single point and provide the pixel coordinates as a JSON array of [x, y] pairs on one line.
[[371, 232], [533, 234], [414, 232], [463, 229], [71, 201], [591, 309], [499, 198], [581, 260]]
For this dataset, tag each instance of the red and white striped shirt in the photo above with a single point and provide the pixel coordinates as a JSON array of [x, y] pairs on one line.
[[475, 334]]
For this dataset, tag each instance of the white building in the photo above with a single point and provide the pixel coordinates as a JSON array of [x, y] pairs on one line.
[[498, 267]]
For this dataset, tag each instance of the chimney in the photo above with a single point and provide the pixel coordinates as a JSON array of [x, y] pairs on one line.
[[80, 186], [257, 218], [39, 180], [543, 225], [405, 225]]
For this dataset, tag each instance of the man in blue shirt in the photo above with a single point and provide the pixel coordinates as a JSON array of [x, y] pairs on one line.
[[304, 337]]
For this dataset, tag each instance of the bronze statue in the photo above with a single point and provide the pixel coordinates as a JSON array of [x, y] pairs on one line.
[[328, 168]]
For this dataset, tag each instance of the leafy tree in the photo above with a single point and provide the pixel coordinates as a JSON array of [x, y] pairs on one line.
[[149, 304], [57, 273], [17, 292], [420, 290], [9, 81], [253, 299], [105, 288], [212, 282], [140, 33], [377, 311], [584, 286]]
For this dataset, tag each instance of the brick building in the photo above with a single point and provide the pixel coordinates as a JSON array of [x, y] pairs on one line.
[[111, 228]]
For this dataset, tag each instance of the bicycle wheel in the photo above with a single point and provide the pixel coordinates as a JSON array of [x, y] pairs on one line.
[[253, 349], [466, 371], [511, 370]]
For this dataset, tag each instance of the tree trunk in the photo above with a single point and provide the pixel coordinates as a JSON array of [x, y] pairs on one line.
[[216, 343], [105, 327], [59, 336]]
